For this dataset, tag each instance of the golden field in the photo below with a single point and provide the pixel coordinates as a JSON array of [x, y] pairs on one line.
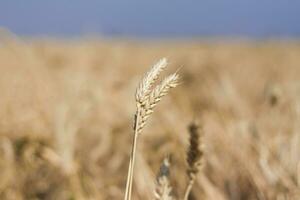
[[67, 106]]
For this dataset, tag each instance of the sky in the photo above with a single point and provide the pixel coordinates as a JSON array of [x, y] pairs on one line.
[[152, 18]]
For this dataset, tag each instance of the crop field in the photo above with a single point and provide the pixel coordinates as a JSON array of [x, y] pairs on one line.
[[67, 112]]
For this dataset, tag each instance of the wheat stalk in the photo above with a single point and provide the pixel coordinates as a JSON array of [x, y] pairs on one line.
[[147, 98], [163, 189], [194, 157]]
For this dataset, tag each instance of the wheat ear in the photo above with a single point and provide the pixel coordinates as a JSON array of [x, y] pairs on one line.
[[146, 99], [194, 157], [149, 79], [148, 105], [163, 188]]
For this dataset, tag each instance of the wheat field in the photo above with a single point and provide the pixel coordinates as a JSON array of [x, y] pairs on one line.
[[67, 109]]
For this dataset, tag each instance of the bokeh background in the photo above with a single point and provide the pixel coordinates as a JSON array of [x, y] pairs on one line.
[[68, 74]]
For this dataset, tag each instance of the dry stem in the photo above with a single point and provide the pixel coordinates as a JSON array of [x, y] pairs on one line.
[[132, 157]]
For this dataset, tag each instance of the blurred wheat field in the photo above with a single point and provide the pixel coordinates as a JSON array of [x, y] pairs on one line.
[[66, 110]]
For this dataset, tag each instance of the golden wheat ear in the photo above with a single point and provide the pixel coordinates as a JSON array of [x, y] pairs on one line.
[[154, 97], [147, 98], [194, 156], [148, 80], [163, 190]]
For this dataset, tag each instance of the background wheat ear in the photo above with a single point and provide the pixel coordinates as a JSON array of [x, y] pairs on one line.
[[147, 98], [163, 190], [194, 155]]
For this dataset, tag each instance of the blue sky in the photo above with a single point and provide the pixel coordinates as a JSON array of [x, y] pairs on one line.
[[152, 18]]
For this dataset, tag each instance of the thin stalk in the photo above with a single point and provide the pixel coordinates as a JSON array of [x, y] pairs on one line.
[[188, 189], [132, 159]]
